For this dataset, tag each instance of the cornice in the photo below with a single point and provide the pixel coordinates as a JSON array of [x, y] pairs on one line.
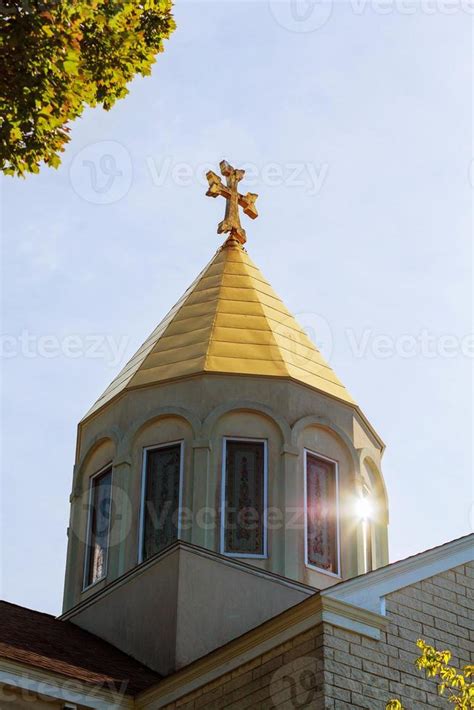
[[191, 548]]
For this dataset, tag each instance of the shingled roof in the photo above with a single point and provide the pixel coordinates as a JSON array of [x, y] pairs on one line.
[[42, 641]]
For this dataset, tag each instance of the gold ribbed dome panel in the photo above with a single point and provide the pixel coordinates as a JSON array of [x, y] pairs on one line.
[[229, 321]]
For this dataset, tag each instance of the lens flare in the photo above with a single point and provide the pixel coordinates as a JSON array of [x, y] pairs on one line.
[[364, 508]]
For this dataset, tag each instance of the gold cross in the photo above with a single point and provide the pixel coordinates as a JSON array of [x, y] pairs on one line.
[[231, 221]]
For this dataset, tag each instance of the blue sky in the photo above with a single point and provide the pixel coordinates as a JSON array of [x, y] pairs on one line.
[[354, 119]]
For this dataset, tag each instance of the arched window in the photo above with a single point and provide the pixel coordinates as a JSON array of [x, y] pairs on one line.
[[161, 498], [98, 527], [321, 513], [244, 498]]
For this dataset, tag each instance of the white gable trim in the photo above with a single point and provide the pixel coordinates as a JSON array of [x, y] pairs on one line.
[[369, 590], [352, 618]]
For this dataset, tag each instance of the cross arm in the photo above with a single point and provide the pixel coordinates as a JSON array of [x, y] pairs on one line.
[[247, 202], [216, 186]]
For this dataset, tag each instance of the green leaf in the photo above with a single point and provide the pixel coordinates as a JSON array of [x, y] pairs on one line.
[[73, 55], [15, 134], [71, 67]]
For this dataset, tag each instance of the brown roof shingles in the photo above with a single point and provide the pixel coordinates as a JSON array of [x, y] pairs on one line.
[[41, 641]]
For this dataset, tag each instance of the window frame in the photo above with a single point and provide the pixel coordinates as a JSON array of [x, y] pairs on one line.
[[87, 556], [368, 545], [141, 528], [338, 521], [368, 537], [254, 556]]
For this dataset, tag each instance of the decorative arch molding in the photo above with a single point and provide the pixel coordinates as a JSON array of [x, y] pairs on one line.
[[112, 434], [245, 406], [140, 423], [365, 456], [325, 423]]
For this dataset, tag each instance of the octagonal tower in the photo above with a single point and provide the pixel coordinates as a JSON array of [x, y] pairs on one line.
[[223, 476]]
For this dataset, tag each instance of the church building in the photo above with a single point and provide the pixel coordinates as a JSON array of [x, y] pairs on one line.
[[228, 536]]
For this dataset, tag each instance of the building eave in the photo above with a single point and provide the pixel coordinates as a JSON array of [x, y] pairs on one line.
[[368, 591], [36, 681]]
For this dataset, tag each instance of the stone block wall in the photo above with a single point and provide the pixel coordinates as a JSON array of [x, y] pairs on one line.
[[365, 673], [329, 668], [289, 676]]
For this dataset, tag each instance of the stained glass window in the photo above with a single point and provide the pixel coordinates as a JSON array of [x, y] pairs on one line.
[[99, 525], [321, 516], [161, 498], [244, 505]]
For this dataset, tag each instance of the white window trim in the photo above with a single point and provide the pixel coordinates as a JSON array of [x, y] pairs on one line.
[[338, 530], [367, 543], [141, 528], [85, 583], [368, 534], [255, 556]]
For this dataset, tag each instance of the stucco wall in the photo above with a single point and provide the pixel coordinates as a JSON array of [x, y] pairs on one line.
[[139, 616], [184, 604], [201, 411]]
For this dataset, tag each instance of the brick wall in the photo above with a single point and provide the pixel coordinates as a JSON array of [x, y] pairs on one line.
[[330, 668], [365, 673], [270, 681]]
